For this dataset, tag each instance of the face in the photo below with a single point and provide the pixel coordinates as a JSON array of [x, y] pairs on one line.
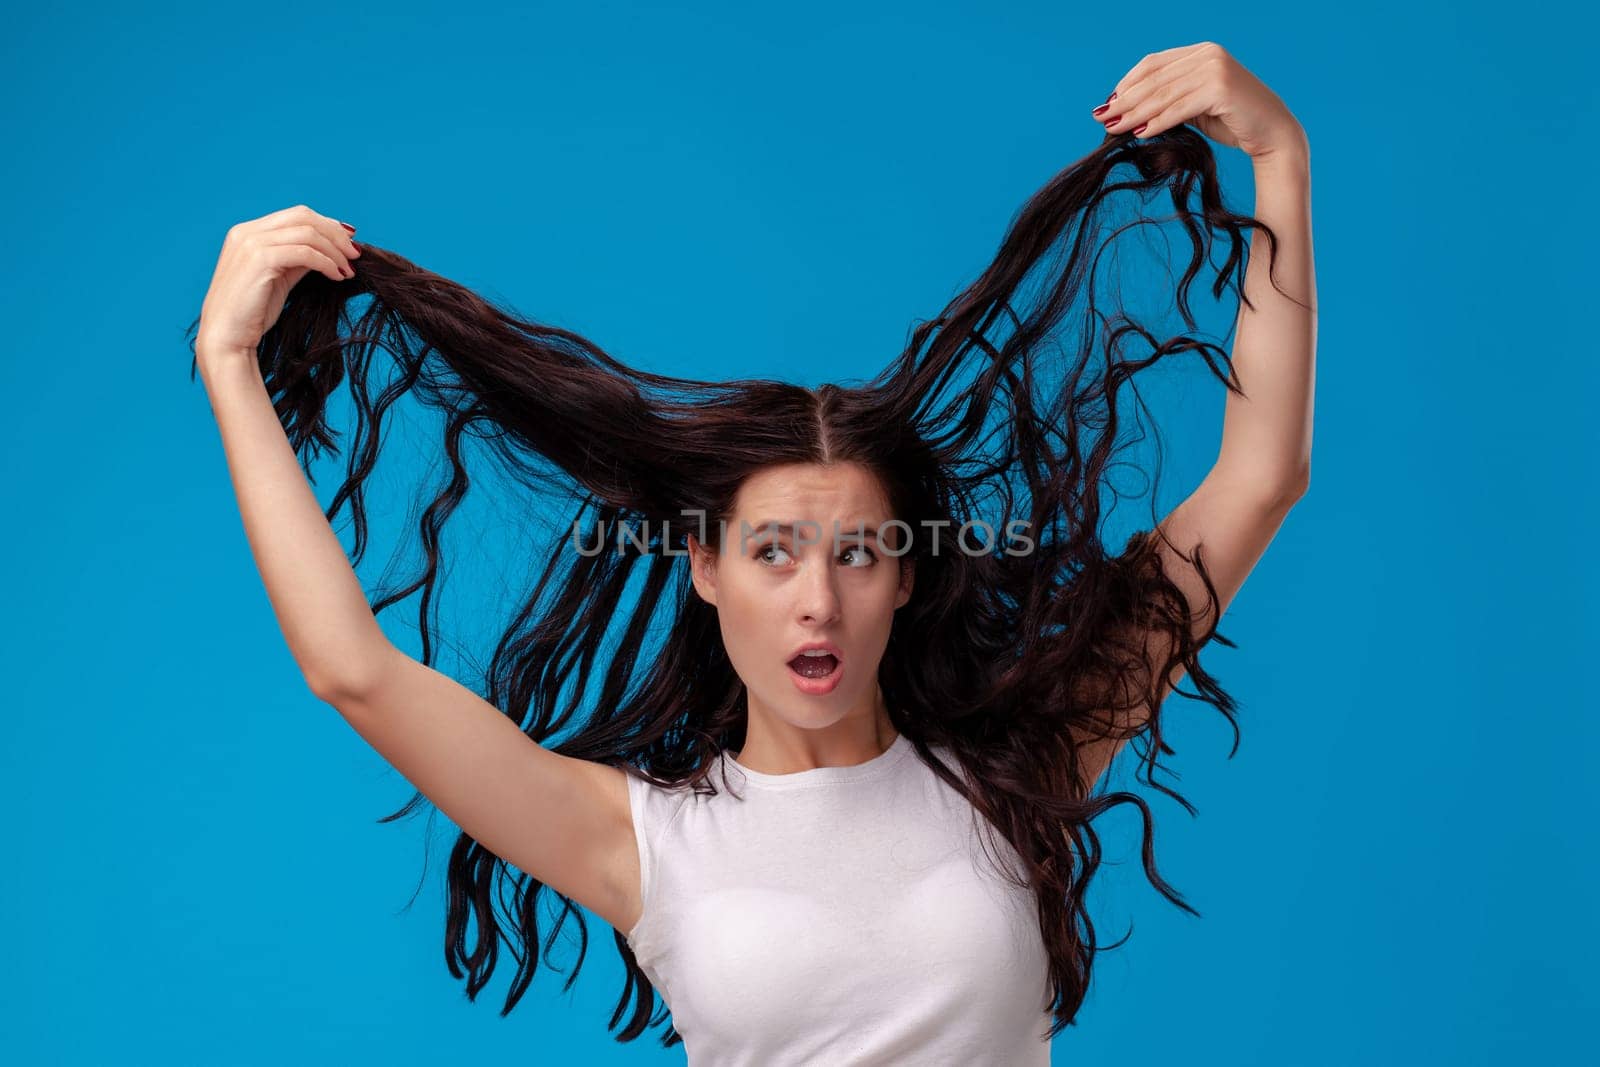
[[776, 590]]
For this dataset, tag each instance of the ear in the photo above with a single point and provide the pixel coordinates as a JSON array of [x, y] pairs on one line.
[[908, 574], [703, 570]]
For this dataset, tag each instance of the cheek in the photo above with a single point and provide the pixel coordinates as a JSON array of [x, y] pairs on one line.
[[869, 614], [745, 618], [875, 596]]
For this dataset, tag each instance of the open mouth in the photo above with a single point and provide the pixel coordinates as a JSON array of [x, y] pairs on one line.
[[814, 665]]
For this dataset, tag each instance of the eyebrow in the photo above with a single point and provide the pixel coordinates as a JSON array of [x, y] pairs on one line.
[[846, 529]]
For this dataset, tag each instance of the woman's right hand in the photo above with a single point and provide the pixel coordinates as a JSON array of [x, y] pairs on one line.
[[261, 261]]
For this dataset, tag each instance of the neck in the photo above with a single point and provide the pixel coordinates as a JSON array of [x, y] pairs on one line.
[[772, 745]]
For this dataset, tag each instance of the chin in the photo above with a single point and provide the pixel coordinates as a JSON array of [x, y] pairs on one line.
[[812, 712]]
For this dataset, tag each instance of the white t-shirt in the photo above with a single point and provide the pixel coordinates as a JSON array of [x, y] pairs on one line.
[[836, 916]]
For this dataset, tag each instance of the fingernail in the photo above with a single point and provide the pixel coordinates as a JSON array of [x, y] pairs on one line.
[[1141, 129], [1101, 108], [1113, 122], [1110, 98], [347, 226]]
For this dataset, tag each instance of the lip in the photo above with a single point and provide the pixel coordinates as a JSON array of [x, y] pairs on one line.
[[817, 686], [812, 646]]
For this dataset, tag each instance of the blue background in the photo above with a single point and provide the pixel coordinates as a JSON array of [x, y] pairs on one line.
[[1397, 867]]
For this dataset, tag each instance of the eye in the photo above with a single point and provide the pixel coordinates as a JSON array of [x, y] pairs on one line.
[[761, 553], [860, 551]]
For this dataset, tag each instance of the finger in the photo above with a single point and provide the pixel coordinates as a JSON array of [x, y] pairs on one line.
[[1143, 88], [1176, 113], [301, 255], [1152, 63], [301, 215], [312, 234], [1152, 103], [335, 231], [309, 234], [285, 216], [339, 233]]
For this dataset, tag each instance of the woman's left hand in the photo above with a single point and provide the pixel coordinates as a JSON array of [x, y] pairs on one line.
[[1203, 85]]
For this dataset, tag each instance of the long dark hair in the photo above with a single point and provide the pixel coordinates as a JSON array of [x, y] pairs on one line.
[[1010, 660]]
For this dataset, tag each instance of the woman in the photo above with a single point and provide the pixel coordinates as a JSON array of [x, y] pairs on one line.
[[885, 609]]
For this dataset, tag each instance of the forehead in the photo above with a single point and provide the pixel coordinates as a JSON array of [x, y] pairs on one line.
[[800, 490]]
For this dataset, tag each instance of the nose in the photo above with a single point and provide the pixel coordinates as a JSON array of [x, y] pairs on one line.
[[819, 600]]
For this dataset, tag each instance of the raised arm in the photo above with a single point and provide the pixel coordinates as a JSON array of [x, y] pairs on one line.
[[1264, 463], [563, 820]]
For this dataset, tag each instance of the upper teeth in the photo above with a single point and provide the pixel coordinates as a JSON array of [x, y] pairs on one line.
[[816, 652]]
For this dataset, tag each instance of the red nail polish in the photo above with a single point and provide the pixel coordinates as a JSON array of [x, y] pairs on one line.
[[1101, 108], [1141, 129], [347, 226], [1113, 122]]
